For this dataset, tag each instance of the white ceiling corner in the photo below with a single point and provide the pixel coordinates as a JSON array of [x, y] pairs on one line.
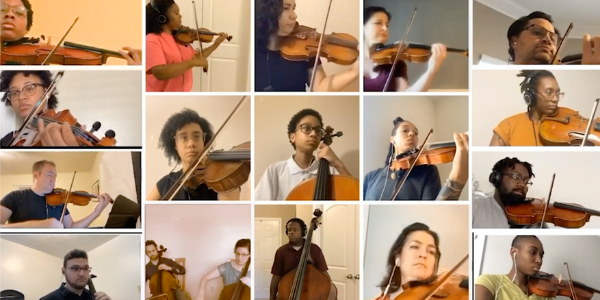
[[507, 7], [59, 245]]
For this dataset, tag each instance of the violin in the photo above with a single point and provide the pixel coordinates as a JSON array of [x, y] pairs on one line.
[[437, 153], [29, 52], [326, 186], [225, 170], [567, 215], [237, 291], [569, 128], [61, 196], [306, 282], [412, 52], [163, 283], [572, 59], [547, 285], [303, 43], [185, 35]]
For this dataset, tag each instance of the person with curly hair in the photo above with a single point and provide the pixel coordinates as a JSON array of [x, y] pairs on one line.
[[305, 131], [17, 19], [423, 182], [183, 137], [168, 63], [276, 19]]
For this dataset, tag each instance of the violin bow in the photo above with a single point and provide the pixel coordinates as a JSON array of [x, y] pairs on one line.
[[387, 82], [38, 106], [60, 42], [317, 58], [412, 165], [554, 59], [589, 126], [570, 281], [67, 200], [198, 29], [186, 175], [548, 202]]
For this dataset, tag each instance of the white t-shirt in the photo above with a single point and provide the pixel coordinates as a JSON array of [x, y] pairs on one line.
[[281, 177], [487, 213]]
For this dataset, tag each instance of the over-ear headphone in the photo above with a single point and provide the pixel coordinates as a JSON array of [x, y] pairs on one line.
[[496, 178], [302, 226], [529, 95], [162, 18]]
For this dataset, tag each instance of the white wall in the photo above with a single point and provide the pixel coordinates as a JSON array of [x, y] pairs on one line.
[[202, 234], [579, 170], [116, 178], [558, 249], [445, 114], [497, 95], [215, 109], [386, 222], [273, 114]]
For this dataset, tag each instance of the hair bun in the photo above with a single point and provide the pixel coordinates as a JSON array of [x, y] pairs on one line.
[[398, 120]]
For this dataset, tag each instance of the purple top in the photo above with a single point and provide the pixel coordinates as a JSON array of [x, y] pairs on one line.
[[378, 83]]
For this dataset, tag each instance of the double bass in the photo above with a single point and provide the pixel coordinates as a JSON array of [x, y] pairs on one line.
[[238, 290], [306, 282], [163, 283]]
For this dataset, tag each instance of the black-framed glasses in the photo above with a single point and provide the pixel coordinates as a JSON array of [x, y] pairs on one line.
[[19, 10], [306, 128], [196, 137], [540, 32], [78, 269], [242, 254], [517, 178], [28, 90]]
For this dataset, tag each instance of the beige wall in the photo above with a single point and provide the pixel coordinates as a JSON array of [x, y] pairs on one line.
[[284, 212], [273, 113], [109, 24]]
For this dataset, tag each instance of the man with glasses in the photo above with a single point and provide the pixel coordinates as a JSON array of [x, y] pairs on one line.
[[183, 137], [533, 40], [77, 273], [162, 264], [512, 179], [17, 18], [305, 131]]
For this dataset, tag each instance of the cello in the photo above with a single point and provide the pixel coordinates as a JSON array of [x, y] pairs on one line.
[[237, 291], [163, 283], [306, 282], [326, 186]]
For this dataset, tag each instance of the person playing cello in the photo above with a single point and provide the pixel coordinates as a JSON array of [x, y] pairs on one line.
[[155, 264]]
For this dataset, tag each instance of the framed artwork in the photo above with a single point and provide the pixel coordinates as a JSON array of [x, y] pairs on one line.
[[96, 189]]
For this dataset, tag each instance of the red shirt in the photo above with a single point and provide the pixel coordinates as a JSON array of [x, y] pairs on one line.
[[287, 258]]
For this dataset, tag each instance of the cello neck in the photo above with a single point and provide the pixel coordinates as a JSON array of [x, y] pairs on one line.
[[577, 208], [323, 187]]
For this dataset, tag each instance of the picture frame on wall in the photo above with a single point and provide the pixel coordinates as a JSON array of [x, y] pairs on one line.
[[96, 189]]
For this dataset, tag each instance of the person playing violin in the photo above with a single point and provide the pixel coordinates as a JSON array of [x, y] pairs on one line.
[[155, 264], [168, 63], [533, 40], [512, 179], [424, 180], [76, 270], [305, 131], [231, 270], [414, 256], [287, 257], [17, 19], [527, 254], [541, 93], [276, 19], [183, 137], [29, 209], [376, 25]]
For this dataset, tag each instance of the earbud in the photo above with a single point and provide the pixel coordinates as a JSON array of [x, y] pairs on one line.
[[515, 255], [398, 261]]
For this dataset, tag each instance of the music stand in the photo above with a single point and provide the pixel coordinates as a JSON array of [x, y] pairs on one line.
[[124, 214]]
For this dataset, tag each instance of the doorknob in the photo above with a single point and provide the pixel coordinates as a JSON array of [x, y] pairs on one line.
[[349, 276], [356, 276]]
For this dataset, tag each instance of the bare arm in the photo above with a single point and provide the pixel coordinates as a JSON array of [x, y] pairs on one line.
[[422, 85], [83, 223], [451, 190], [274, 286], [214, 274], [165, 72], [482, 293], [497, 140], [233, 195], [154, 194], [335, 82]]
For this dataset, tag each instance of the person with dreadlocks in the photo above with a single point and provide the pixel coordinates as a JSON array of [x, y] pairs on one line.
[[424, 180], [183, 138], [541, 93]]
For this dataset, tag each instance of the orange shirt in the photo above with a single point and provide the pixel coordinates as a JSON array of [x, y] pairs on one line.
[[518, 130]]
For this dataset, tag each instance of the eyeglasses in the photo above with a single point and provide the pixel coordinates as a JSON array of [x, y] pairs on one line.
[[550, 95], [184, 137], [28, 90], [305, 128], [517, 178], [242, 254], [77, 269], [540, 32], [19, 10]]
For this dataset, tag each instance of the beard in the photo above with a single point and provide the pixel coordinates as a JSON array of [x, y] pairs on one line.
[[75, 283], [510, 197]]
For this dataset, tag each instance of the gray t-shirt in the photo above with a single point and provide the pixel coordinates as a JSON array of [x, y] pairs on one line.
[[487, 213], [229, 274]]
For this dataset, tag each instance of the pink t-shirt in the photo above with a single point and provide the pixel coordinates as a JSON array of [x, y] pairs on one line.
[[161, 49]]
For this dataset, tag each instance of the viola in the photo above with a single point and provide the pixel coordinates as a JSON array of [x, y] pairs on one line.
[[163, 283], [61, 196], [437, 153], [303, 43], [225, 171], [568, 129], [547, 285], [185, 35], [326, 186], [412, 52], [26, 52], [238, 290]]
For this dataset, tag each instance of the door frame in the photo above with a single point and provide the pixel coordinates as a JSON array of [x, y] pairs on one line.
[[280, 220]]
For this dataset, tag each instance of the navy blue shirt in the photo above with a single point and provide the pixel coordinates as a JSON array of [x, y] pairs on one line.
[[272, 72], [423, 183], [4, 142], [63, 293], [185, 193], [28, 206]]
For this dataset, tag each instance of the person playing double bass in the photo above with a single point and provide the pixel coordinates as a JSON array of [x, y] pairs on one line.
[[156, 264]]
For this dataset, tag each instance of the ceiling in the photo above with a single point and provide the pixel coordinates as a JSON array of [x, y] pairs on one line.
[[582, 13], [59, 244], [12, 163]]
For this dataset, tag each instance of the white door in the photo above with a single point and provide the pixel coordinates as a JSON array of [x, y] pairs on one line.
[[267, 233], [340, 237], [229, 65]]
